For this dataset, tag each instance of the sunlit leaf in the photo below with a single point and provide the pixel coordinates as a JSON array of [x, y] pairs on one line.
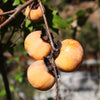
[[69, 20], [4, 1], [19, 77], [3, 92], [8, 61], [16, 59], [30, 28], [16, 2], [27, 23], [58, 21], [22, 1]]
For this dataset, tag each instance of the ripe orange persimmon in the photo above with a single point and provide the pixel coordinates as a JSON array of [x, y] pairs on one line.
[[36, 47], [35, 14], [70, 56], [39, 77], [2, 18]]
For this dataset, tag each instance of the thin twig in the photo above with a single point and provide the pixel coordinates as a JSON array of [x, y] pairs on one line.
[[20, 35], [56, 84], [18, 10], [27, 15], [6, 46], [8, 12], [47, 28], [11, 35], [52, 47]]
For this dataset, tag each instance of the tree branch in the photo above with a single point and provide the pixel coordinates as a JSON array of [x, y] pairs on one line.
[[52, 48], [8, 12], [17, 11], [47, 28], [20, 35]]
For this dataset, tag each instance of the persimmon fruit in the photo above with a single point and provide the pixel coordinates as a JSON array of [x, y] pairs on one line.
[[39, 77], [35, 14], [35, 46], [70, 56], [2, 18]]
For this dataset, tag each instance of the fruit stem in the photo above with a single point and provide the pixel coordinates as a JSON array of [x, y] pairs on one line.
[[52, 48], [47, 28], [27, 15]]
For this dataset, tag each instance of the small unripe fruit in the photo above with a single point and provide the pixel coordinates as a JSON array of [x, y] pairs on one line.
[[36, 47], [2, 18], [38, 76], [35, 14], [71, 55]]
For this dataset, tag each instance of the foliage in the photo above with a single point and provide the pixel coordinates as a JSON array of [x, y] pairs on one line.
[[3, 92]]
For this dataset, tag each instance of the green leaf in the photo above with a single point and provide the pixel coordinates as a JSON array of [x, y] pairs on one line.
[[8, 61], [55, 12], [69, 20], [3, 92], [19, 77], [27, 23], [22, 1], [30, 28], [11, 88], [4, 1], [25, 52], [16, 59], [16, 2], [89, 10], [58, 21], [80, 13], [43, 1]]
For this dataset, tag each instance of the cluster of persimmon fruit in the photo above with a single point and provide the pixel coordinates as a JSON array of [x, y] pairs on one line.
[[69, 58]]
